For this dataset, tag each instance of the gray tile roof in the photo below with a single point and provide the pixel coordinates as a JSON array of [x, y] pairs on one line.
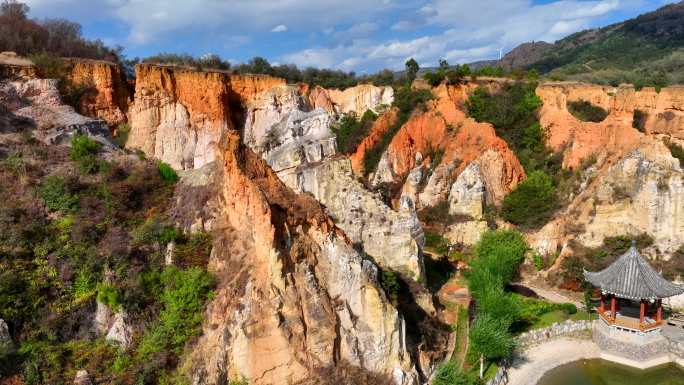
[[633, 278]]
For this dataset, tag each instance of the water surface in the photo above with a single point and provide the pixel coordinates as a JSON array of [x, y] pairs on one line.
[[600, 372]]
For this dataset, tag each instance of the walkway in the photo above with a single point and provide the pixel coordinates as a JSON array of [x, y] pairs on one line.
[[550, 295], [535, 362]]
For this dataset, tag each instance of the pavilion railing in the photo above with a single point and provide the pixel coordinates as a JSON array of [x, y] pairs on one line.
[[634, 325]]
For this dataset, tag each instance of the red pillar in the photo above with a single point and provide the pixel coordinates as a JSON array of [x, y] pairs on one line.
[[659, 312], [602, 307], [642, 311], [612, 307]]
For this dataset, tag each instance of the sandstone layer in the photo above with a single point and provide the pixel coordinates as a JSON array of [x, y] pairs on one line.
[[298, 144], [355, 100], [662, 113], [178, 115], [106, 93], [295, 303], [446, 129]]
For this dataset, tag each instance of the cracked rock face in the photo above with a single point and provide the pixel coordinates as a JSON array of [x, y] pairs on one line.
[[467, 195], [301, 148], [38, 101], [642, 193], [294, 297]]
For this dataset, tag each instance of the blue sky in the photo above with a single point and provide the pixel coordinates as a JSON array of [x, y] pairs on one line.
[[358, 35]]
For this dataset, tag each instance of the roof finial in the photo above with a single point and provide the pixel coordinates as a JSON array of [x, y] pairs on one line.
[[634, 243]]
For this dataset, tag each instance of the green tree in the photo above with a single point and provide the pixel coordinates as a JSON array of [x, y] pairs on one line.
[[490, 339], [412, 68], [532, 202]]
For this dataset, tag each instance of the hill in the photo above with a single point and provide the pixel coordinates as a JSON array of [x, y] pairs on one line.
[[646, 50]]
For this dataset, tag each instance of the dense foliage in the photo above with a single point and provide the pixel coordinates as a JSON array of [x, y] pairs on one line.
[[450, 374], [406, 100], [497, 257], [532, 202], [452, 75], [56, 37], [586, 112], [350, 130], [74, 236], [513, 113]]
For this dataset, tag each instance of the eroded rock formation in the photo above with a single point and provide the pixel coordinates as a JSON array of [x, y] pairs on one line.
[[356, 100], [106, 93], [301, 148], [178, 115], [294, 298]]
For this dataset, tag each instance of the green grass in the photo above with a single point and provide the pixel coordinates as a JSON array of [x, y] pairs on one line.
[[547, 319]]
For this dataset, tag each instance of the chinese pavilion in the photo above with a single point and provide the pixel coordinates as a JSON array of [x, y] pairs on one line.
[[635, 291]]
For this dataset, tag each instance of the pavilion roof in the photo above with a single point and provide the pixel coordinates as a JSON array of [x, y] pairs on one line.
[[632, 277]]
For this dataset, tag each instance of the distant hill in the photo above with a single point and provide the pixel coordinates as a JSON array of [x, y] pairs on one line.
[[646, 50]]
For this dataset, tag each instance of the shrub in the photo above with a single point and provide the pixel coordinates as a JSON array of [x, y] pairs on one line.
[[434, 78], [390, 284], [498, 255], [350, 131], [167, 173], [57, 195], [122, 132], [193, 250], [15, 163], [586, 111], [109, 295], [532, 202], [436, 242], [183, 297], [449, 373], [83, 151]]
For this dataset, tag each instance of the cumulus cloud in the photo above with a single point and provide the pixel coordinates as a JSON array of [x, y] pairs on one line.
[[353, 35]]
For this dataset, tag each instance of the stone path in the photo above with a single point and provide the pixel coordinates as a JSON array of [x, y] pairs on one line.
[[551, 295], [529, 368]]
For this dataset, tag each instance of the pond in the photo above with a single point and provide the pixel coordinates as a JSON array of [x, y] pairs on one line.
[[600, 372]]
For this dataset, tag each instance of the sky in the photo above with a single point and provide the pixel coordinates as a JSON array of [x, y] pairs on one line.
[[352, 35]]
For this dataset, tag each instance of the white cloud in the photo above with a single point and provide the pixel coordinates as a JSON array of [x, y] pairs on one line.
[[354, 35], [279, 28]]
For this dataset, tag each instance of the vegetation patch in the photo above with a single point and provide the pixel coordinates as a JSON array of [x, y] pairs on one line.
[[406, 100], [350, 131], [497, 257], [587, 112], [84, 152], [532, 202]]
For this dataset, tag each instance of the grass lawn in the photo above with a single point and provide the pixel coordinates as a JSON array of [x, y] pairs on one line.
[[547, 319]]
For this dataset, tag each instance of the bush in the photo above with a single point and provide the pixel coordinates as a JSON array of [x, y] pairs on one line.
[[532, 202], [498, 255], [167, 173], [183, 297], [83, 151], [109, 295], [449, 373], [586, 111], [390, 284], [512, 112], [57, 195], [436, 242], [350, 131]]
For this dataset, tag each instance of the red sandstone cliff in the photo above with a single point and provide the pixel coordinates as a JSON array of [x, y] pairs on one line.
[[107, 94]]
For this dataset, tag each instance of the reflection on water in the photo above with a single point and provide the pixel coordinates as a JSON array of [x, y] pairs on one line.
[[599, 372]]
